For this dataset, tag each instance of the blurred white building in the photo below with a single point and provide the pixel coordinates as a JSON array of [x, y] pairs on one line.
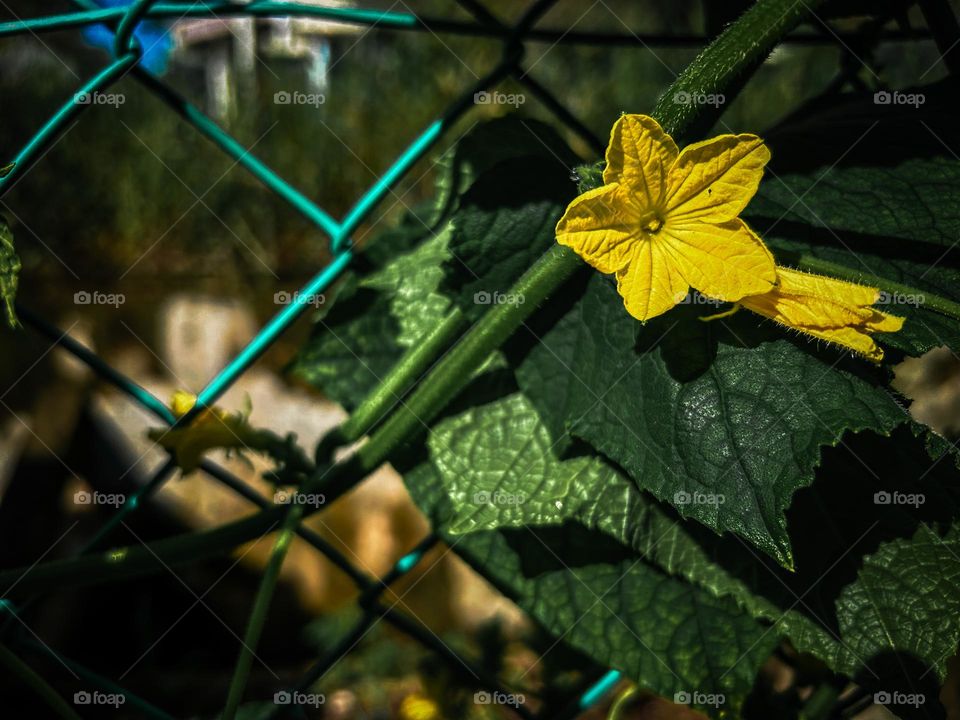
[[227, 51]]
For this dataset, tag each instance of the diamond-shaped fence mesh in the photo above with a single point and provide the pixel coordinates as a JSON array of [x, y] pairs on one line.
[[127, 56], [127, 53]]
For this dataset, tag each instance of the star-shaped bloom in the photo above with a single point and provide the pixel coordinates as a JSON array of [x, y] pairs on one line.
[[829, 309], [212, 428], [665, 220]]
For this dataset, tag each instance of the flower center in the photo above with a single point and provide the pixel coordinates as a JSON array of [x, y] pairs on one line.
[[651, 222]]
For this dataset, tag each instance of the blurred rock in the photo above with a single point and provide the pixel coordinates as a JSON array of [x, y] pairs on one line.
[[932, 382], [199, 335]]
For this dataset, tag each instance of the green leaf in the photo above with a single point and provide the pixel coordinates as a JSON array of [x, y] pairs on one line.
[[410, 280], [664, 633], [725, 420], [492, 142], [410, 231], [905, 601], [496, 471], [916, 200], [497, 468], [505, 222], [9, 270], [352, 345]]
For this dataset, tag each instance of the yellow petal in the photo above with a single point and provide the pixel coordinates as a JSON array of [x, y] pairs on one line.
[[851, 338], [651, 284], [714, 180], [804, 299], [725, 261], [804, 312], [796, 282], [826, 308], [884, 323], [602, 226], [639, 156], [212, 428], [791, 311], [182, 402]]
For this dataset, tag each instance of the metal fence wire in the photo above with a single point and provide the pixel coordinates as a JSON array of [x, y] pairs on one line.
[[126, 61]]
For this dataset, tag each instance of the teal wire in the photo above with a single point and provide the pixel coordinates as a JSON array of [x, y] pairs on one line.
[[592, 696], [162, 11], [263, 173], [101, 368], [55, 125], [242, 155], [342, 258], [408, 562], [63, 21], [124, 40], [383, 185], [273, 329]]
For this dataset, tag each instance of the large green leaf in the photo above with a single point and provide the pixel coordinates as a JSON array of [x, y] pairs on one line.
[[492, 142], [414, 225], [496, 469], [725, 420], [906, 601], [9, 271], [664, 633]]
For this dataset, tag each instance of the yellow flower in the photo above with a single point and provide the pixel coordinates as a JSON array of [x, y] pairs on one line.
[[833, 310], [212, 428], [665, 220]]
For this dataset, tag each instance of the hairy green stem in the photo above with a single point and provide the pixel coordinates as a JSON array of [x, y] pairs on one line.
[[453, 372], [32, 680], [726, 64], [930, 300], [722, 63]]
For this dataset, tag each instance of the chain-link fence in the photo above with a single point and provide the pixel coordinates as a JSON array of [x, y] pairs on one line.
[[126, 62], [127, 52]]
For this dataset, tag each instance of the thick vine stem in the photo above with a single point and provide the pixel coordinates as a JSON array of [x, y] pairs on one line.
[[450, 374], [405, 373], [723, 63], [726, 64]]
